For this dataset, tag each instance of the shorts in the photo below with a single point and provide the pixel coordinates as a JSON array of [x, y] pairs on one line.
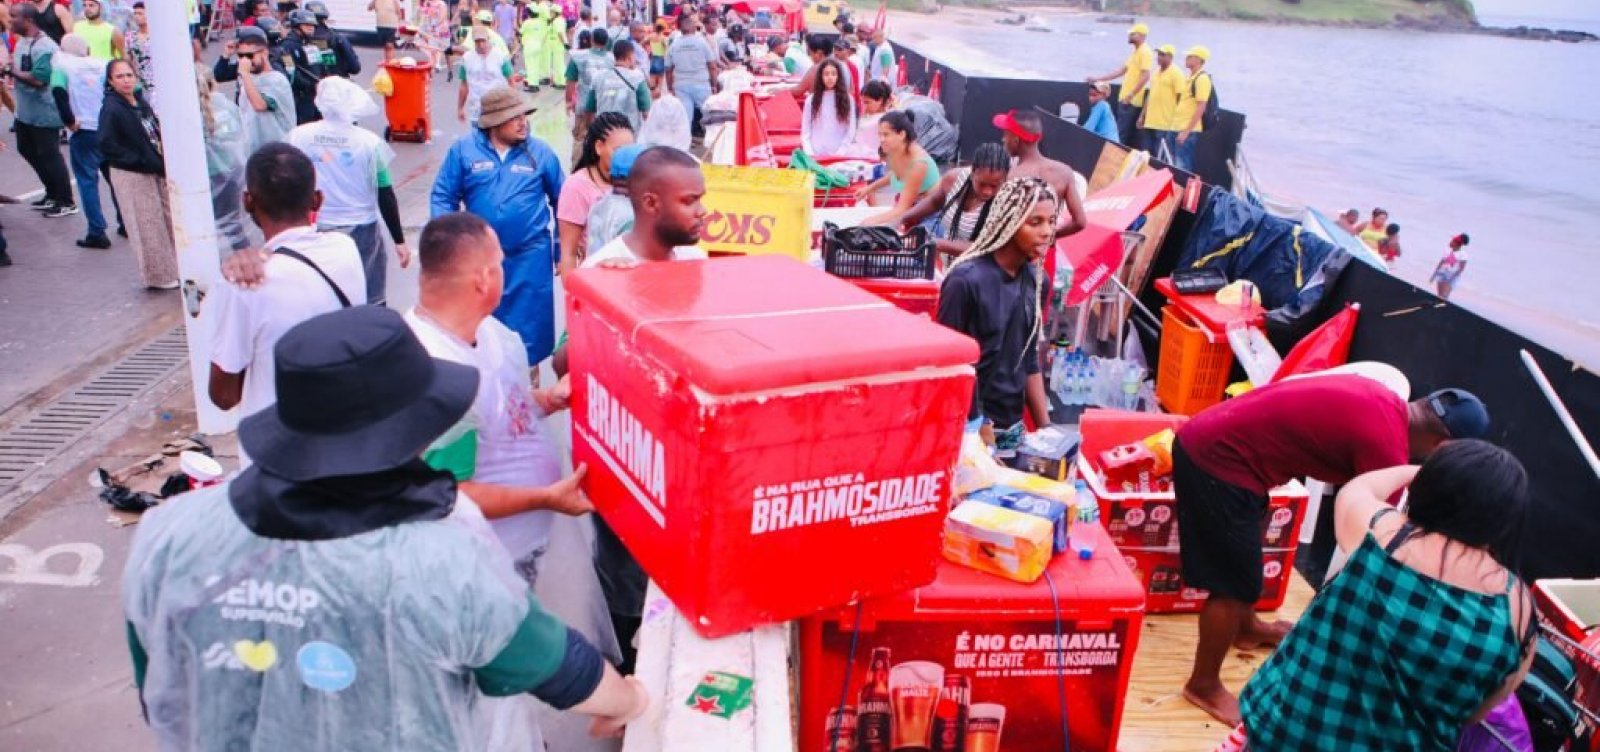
[[386, 35], [658, 65], [1219, 531]]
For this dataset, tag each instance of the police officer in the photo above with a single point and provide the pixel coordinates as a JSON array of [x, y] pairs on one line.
[[303, 63], [345, 63]]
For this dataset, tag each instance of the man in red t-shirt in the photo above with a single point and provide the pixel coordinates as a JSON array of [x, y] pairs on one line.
[[1226, 460]]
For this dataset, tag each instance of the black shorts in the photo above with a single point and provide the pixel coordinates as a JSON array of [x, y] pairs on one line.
[[386, 35], [1219, 531]]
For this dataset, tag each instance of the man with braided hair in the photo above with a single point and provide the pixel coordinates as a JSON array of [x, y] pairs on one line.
[[992, 294], [962, 200]]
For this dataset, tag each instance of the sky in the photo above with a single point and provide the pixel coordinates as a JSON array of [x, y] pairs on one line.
[[1584, 9]]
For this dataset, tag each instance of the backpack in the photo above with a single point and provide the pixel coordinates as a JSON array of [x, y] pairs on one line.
[[616, 93], [1213, 115]]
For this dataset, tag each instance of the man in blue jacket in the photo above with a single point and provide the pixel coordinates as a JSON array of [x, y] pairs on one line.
[[512, 181]]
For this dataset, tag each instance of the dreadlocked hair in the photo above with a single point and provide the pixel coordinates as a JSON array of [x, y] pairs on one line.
[[1009, 210], [604, 124], [990, 156]]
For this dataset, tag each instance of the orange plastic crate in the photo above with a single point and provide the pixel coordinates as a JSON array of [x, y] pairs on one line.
[[1194, 370]]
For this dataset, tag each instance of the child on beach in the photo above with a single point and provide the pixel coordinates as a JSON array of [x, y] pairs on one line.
[[1451, 266], [1389, 246]]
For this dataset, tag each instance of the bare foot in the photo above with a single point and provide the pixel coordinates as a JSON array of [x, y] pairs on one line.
[[1260, 634], [1217, 701]]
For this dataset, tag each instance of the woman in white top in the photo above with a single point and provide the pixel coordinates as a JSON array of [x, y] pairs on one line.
[[876, 98], [828, 120]]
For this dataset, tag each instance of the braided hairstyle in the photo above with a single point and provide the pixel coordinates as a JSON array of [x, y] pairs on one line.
[[1009, 210], [990, 156], [601, 129]]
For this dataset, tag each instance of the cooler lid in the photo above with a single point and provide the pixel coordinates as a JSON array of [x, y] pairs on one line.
[[751, 323], [1091, 589]]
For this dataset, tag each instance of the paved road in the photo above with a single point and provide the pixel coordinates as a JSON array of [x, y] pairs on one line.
[[65, 313]]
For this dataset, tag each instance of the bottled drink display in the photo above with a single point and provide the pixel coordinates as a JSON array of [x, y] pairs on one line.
[[874, 711]]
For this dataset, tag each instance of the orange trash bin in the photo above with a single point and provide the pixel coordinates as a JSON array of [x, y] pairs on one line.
[[407, 106]]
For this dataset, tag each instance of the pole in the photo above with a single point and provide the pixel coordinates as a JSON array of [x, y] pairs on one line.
[[1560, 407], [194, 230]]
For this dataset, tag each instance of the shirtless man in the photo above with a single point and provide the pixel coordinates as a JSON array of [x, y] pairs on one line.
[[1021, 132]]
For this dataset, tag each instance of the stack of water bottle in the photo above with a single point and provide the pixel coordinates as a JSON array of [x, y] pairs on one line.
[[1078, 378]]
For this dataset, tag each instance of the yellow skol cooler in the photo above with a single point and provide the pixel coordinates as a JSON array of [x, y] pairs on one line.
[[757, 210]]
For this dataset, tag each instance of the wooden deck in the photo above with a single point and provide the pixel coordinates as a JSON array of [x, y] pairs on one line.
[[1156, 718]]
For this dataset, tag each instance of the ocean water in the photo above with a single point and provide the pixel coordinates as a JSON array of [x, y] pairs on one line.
[[1498, 138]]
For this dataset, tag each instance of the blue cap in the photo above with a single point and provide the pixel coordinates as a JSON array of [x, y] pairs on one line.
[[1461, 412], [622, 160]]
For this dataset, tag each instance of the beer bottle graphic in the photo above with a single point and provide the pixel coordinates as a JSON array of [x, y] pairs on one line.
[[950, 715], [873, 710]]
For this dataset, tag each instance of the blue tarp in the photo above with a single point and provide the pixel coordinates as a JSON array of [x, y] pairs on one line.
[[1278, 256]]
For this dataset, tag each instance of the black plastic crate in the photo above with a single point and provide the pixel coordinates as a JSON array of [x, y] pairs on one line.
[[912, 259]]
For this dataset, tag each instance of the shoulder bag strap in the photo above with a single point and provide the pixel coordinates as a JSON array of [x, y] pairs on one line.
[[344, 302]]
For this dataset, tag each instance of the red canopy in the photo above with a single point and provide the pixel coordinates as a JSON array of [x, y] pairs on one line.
[[770, 6], [1095, 252]]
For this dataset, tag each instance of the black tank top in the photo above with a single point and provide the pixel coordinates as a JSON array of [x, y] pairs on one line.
[[50, 23]]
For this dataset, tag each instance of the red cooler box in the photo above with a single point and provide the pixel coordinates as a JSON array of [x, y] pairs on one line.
[[919, 296], [766, 439], [975, 662]]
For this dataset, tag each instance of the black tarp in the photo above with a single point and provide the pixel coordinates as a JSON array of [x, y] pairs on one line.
[[1245, 242]]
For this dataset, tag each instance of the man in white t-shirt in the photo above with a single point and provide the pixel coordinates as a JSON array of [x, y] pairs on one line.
[[665, 186], [482, 68], [353, 175], [500, 454], [302, 273]]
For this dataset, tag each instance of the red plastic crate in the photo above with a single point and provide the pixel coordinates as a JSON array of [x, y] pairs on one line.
[[1160, 570], [737, 425], [1000, 636], [1149, 519]]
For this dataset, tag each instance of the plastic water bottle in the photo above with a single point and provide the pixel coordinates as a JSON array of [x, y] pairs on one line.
[[1132, 379], [1088, 508]]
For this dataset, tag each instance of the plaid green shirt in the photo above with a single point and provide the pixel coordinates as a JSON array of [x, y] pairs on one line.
[[1386, 659]]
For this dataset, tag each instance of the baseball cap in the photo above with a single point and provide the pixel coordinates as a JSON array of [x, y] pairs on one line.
[[485, 17], [480, 33], [1461, 412], [1199, 51], [1102, 87], [250, 35], [1007, 121], [1139, 28], [1167, 49], [622, 160]]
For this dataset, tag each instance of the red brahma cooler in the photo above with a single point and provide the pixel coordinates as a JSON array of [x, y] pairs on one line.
[[977, 663], [766, 439]]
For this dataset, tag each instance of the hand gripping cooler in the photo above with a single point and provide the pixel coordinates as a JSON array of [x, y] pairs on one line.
[[766, 439]]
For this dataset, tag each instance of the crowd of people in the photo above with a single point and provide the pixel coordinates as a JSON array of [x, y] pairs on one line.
[[384, 453]]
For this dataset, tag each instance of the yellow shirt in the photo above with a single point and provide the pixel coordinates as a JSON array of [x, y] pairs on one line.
[[1139, 61], [1162, 101], [98, 35], [1195, 88]]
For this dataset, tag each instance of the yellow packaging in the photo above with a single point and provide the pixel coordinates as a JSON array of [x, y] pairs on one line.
[[755, 210], [1160, 445], [1000, 541], [975, 466], [1036, 485]]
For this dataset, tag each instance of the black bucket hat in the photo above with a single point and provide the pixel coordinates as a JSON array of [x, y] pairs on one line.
[[357, 394]]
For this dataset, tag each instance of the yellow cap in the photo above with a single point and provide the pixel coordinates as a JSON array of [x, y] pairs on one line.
[[1139, 28], [1167, 49], [1199, 51]]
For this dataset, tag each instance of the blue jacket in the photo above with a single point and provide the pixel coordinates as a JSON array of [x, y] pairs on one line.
[[1101, 122], [517, 197]]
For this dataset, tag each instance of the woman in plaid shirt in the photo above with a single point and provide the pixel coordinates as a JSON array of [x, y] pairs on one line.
[[1424, 631]]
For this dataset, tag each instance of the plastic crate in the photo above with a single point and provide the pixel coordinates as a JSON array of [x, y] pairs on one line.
[[914, 259], [1193, 370]]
